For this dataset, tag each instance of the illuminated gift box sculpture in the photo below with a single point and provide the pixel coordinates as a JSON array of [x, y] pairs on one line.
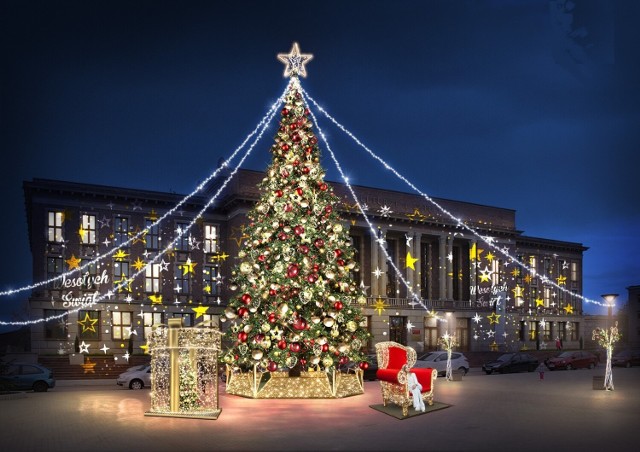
[[184, 371]]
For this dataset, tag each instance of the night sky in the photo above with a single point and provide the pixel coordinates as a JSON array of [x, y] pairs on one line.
[[524, 104]]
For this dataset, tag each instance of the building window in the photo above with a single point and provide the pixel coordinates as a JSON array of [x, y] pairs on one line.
[[121, 276], [55, 328], [462, 333], [575, 330], [547, 267], [574, 271], [89, 325], [211, 281], [533, 330], [562, 331], [120, 230], [120, 325], [210, 238], [398, 329], [533, 267], [92, 269], [152, 278], [187, 319], [54, 269], [182, 277], [356, 242], [533, 292], [522, 330], [54, 226], [152, 238], [391, 275], [546, 331], [150, 319], [87, 230], [182, 242], [547, 296], [496, 268]]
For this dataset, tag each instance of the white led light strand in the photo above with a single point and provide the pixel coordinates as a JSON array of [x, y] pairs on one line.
[[458, 221], [416, 298], [265, 119], [181, 232]]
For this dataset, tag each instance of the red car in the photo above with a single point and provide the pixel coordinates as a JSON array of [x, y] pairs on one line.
[[572, 360]]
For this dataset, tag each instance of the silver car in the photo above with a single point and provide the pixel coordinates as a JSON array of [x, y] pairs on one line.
[[136, 377], [438, 361]]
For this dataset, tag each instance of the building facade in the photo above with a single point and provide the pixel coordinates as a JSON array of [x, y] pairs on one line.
[[425, 274]]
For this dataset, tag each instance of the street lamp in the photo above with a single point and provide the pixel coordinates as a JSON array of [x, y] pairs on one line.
[[610, 298]]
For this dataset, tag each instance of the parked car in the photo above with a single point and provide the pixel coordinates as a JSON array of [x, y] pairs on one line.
[[369, 373], [626, 358], [438, 361], [136, 377], [25, 377], [572, 360], [511, 362]]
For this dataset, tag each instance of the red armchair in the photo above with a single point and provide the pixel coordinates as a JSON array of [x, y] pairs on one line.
[[395, 361]]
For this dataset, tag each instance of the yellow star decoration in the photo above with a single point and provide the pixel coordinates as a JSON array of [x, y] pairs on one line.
[[294, 61], [155, 299], [138, 264], [527, 279], [490, 257], [379, 306], [494, 346], [73, 262], [539, 302], [484, 277], [88, 324], [416, 215], [474, 252], [140, 239], [207, 289], [200, 310], [353, 222], [120, 255], [515, 272], [82, 233], [188, 267], [518, 292], [410, 261], [145, 349], [238, 234], [124, 284], [153, 215], [562, 280], [568, 309], [89, 367], [493, 318], [218, 257]]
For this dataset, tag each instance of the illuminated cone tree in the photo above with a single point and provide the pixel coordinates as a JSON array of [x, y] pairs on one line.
[[295, 306]]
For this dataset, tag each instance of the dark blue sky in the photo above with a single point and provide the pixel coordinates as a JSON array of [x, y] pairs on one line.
[[524, 104]]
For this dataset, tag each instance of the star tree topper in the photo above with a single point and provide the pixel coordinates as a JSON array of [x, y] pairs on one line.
[[295, 61]]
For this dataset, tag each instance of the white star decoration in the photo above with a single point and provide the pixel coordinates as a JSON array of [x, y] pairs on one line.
[[104, 348], [84, 347], [409, 239], [294, 61], [126, 356], [477, 318], [409, 326], [385, 211], [378, 272]]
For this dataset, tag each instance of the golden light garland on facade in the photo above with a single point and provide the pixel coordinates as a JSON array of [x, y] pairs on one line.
[[184, 371]]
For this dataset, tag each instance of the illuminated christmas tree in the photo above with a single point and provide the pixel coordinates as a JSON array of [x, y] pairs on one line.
[[296, 307]]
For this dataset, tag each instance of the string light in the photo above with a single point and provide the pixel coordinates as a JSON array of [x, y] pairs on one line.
[[265, 120], [457, 220], [182, 231]]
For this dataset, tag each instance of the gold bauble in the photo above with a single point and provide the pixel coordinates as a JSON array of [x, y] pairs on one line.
[[352, 326], [247, 328], [230, 313], [283, 308], [265, 327], [328, 322], [245, 267], [327, 362], [314, 360], [257, 354]]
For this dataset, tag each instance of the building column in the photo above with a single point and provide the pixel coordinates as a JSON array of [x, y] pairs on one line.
[[442, 267], [417, 288], [449, 268], [374, 264], [382, 262], [473, 270]]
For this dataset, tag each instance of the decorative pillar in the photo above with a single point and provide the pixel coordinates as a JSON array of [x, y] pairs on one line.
[[449, 268], [442, 267], [473, 270], [417, 288], [382, 262], [174, 376], [374, 264]]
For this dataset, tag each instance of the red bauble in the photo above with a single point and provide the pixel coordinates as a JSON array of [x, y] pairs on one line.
[[294, 347], [296, 162], [340, 262], [308, 150], [272, 366], [319, 243], [246, 298], [279, 193], [311, 278], [307, 112], [288, 207], [337, 252], [300, 324], [285, 147], [299, 191], [284, 173], [323, 186], [272, 318], [306, 170], [242, 336], [298, 230], [328, 209], [313, 140], [293, 126], [242, 311], [282, 344], [292, 270], [304, 249], [282, 236], [262, 258], [285, 111], [259, 338], [272, 292], [364, 365], [338, 305], [344, 360], [315, 268], [325, 347], [296, 137], [303, 362]]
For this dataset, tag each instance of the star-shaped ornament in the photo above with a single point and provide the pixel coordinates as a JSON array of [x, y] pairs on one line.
[[294, 61], [493, 318], [104, 348], [138, 264], [89, 367], [379, 306], [411, 261], [73, 262], [88, 324], [568, 309], [200, 310], [84, 347]]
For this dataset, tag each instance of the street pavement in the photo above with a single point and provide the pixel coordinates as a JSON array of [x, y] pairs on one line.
[[488, 412]]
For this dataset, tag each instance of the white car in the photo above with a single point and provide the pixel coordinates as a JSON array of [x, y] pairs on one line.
[[136, 377], [438, 361]]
